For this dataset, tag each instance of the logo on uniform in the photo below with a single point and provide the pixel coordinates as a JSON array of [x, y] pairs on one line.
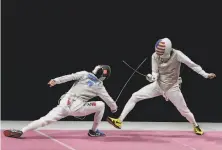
[[91, 104], [68, 101], [92, 80]]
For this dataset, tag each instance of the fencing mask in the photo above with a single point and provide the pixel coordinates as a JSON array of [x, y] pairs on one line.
[[102, 72], [163, 48]]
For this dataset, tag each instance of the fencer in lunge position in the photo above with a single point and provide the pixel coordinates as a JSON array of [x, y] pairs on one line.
[[166, 63], [87, 85]]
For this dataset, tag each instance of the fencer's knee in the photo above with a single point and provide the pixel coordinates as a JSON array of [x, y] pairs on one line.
[[45, 121], [100, 105], [134, 98]]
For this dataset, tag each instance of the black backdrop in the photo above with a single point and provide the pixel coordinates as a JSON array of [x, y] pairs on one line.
[[46, 39]]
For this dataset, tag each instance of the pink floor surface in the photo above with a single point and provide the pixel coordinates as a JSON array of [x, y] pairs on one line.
[[115, 140]]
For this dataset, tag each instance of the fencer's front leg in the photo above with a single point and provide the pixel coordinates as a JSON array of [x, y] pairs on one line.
[[147, 92], [98, 108], [98, 115], [97, 120], [128, 107]]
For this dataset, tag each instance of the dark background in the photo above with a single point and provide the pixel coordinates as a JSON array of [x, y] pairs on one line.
[[42, 40]]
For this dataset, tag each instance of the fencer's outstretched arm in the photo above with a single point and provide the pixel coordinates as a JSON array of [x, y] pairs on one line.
[[104, 95], [187, 61], [66, 78]]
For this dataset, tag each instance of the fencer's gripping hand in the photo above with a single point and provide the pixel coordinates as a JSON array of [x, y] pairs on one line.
[[114, 108], [51, 83], [113, 111], [150, 78], [211, 75]]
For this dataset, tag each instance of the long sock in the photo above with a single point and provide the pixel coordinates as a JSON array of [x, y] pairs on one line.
[[95, 126], [190, 117]]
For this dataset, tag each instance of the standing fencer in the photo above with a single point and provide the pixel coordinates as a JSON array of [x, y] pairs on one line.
[[166, 63], [87, 85]]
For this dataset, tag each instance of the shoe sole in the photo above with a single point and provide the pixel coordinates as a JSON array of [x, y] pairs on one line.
[[95, 135], [110, 122], [199, 133]]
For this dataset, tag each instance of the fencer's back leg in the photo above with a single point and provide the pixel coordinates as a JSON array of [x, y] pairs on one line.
[[176, 97], [54, 115]]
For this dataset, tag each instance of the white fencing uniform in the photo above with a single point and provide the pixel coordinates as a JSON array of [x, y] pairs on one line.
[[166, 72], [74, 102]]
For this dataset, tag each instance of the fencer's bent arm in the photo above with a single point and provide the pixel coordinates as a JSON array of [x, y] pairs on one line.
[[104, 95], [66, 78], [154, 67], [187, 61]]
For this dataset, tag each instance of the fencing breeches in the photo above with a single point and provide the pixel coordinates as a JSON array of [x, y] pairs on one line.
[[153, 90], [60, 112]]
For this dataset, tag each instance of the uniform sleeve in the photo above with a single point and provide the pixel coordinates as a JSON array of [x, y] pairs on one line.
[[187, 61], [104, 95], [154, 67], [66, 78]]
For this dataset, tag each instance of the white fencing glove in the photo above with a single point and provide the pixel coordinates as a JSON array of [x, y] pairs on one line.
[[113, 111], [151, 78], [114, 108]]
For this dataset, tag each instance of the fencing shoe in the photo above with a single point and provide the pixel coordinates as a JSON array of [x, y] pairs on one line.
[[198, 130], [95, 133], [115, 122], [13, 133]]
